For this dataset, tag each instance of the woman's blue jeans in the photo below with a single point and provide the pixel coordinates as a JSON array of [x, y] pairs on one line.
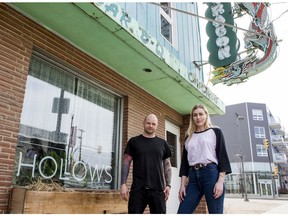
[[202, 182]]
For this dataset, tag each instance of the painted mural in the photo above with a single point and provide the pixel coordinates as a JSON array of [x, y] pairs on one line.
[[260, 41]]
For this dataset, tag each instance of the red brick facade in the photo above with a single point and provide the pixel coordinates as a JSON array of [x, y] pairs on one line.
[[18, 37]]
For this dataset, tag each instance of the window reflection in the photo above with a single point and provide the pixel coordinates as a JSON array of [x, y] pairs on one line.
[[172, 142], [166, 29], [74, 122], [166, 7]]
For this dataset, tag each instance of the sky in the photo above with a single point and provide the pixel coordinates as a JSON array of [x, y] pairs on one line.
[[271, 85]]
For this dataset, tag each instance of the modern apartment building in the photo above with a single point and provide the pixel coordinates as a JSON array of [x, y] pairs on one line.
[[246, 126], [76, 80]]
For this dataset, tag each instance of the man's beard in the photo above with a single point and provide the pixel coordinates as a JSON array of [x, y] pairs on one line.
[[150, 132]]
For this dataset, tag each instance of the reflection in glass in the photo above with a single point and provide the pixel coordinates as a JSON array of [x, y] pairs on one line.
[[167, 10], [166, 29], [74, 122], [172, 143]]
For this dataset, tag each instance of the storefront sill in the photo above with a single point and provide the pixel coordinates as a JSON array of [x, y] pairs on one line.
[[24, 201]]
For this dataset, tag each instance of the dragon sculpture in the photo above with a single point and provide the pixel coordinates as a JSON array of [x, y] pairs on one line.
[[223, 45]]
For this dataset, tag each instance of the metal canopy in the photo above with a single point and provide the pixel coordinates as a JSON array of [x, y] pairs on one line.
[[92, 31]]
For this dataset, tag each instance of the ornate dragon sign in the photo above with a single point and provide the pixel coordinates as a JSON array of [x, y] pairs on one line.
[[223, 44]]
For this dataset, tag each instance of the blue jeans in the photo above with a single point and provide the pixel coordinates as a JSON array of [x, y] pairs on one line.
[[202, 182]]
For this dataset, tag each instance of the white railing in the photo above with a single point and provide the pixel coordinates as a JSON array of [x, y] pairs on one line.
[[276, 138], [280, 158]]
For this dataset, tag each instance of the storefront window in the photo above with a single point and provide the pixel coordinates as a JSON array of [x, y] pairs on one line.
[[69, 130]]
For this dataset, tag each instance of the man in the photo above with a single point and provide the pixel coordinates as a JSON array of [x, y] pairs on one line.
[[151, 163]]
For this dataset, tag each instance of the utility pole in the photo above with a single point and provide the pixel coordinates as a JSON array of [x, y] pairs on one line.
[[266, 145], [243, 182], [244, 177]]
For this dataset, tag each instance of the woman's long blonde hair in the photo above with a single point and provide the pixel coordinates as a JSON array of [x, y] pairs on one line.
[[192, 127]]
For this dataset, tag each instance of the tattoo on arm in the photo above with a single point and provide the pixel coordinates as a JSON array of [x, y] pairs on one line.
[[167, 171], [125, 168]]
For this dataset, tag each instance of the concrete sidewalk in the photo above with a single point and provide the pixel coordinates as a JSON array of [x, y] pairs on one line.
[[255, 206]]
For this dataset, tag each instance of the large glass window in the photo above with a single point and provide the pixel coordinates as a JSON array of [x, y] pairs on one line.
[[69, 130]]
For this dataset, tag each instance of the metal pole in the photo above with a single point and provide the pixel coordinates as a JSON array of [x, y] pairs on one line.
[[244, 177], [243, 182], [245, 188], [80, 137], [212, 20], [273, 180]]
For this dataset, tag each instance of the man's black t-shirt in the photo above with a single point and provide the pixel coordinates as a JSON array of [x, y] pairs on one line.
[[148, 155]]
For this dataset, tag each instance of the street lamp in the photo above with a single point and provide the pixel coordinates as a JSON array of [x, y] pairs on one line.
[[238, 118], [243, 173]]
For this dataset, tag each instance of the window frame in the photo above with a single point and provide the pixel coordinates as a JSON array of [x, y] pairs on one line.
[[260, 129], [172, 21], [118, 110], [261, 150], [257, 114]]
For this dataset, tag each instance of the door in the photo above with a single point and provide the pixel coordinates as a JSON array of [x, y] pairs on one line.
[[172, 138], [265, 188]]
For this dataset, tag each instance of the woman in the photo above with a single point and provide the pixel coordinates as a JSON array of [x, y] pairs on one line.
[[205, 162]]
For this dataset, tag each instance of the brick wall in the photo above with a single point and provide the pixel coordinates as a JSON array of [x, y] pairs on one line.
[[18, 36], [14, 61]]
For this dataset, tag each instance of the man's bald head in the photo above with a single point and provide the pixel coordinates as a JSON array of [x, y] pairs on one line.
[[150, 125]]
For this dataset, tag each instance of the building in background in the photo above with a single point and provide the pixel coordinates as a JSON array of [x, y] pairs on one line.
[[246, 126], [77, 80]]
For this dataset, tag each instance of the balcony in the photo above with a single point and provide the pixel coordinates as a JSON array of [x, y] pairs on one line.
[[274, 122], [285, 137], [280, 131], [280, 158], [275, 139]]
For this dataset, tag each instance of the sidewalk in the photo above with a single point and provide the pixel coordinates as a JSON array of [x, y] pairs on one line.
[[255, 206]]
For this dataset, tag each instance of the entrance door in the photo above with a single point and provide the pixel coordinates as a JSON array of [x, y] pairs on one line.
[[265, 188], [172, 138]]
